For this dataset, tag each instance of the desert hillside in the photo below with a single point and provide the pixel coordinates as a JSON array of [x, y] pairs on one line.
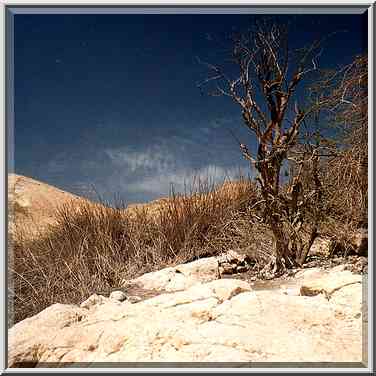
[[32, 203], [153, 208]]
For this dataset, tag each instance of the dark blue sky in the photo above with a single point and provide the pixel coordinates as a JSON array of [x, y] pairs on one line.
[[111, 101]]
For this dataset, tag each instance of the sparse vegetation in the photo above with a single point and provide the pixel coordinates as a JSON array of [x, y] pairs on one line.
[[345, 173], [93, 247]]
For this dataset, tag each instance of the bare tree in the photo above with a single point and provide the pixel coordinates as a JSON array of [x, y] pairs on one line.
[[268, 75]]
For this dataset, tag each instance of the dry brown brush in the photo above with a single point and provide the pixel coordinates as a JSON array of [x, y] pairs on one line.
[[345, 174], [92, 247]]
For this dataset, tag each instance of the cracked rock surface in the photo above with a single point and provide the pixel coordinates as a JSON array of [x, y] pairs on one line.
[[208, 320]]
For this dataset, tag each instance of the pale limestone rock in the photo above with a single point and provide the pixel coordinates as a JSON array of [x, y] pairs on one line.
[[43, 327], [93, 301], [210, 321], [329, 283], [312, 273], [226, 268], [225, 289], [118, 295], [184, 276], [180, 277]]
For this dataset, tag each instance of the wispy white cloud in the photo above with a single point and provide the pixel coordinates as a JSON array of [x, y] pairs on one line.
[[160, 184], [140, 173], [155, 158]]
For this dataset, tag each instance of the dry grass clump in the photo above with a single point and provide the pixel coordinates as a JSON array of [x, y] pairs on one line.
[[345, 198], [346, 188], [93, 247], [347, 173], [342, 235]]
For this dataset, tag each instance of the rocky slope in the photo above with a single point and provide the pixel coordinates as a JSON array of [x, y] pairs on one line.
[[195, 312], [192, 315]]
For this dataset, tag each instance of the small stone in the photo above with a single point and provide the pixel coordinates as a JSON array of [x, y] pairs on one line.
[[241, 269], [118, 295], [226, 268], [93, 301], [134, 299]]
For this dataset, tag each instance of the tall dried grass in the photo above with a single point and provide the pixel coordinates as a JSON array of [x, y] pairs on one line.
[[93, 247]]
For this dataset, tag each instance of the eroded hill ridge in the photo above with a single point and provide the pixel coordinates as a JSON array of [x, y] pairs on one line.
[[32, 203]]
